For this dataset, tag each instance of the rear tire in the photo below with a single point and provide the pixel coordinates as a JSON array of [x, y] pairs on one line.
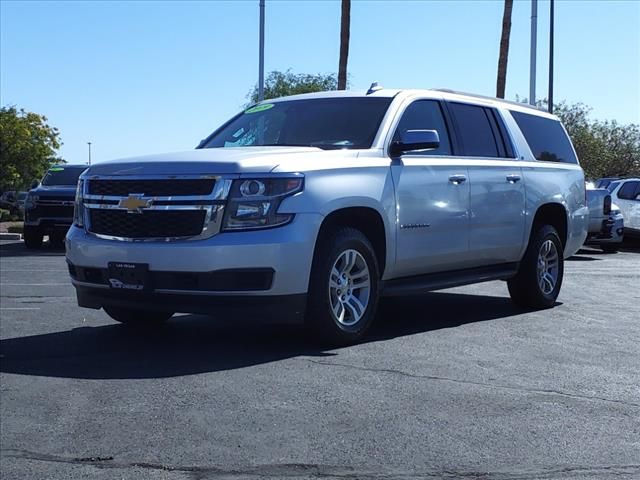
[[343, 288], [538, 281], [32, 237], [139, 318]]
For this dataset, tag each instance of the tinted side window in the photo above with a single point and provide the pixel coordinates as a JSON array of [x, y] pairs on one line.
[[629, 190], [476, 133], [425, 115], [546, 138]]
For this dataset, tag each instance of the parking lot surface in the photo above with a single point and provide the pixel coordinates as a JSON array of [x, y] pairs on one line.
[[454, 384]]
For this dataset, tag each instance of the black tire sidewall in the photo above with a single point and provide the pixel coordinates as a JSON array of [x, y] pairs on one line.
[[530, 272], [319, 311], [33, 237]]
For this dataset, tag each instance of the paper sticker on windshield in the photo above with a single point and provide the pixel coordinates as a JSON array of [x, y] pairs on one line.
[[260, 108], [56, 169]]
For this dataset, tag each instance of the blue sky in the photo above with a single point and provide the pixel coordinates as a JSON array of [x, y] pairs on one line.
[[154, 76]]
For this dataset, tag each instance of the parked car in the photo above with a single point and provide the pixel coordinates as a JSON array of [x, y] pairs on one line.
[[8, 202], [20, 200], [49, 206], [604, 182], [309, 208], [606, 222], [626, 194]]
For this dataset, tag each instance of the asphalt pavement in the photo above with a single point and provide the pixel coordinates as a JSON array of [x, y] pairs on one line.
[[454, 384]]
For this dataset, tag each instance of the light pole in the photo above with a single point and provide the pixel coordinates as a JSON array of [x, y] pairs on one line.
[[551, 20], [89, 143], [534, 40], [261, 55]]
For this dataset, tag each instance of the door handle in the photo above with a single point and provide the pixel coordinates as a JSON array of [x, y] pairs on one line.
[[513, 178], [457, 179]]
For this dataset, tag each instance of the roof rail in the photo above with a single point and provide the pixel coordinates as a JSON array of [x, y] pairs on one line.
[[486, 97]]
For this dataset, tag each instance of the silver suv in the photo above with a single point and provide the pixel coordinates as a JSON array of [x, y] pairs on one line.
[[310, 208]]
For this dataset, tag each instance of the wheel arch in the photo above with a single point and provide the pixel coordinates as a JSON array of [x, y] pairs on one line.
[[368, 220], [554, 214]]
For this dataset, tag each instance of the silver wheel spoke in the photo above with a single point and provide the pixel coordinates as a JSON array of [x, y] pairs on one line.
[[357, 309], [349, 276], [338, 311], [362, 284], [548, 267], [351, 258]]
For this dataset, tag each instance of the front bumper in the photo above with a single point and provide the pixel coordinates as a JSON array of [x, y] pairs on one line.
[[285, 309], [192, 271]]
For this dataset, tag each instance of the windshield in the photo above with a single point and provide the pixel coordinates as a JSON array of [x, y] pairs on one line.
[[328, 123], [612, 186], [62, 176]]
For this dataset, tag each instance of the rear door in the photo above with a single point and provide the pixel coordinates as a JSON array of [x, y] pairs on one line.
[[432, 198], [497, 195]]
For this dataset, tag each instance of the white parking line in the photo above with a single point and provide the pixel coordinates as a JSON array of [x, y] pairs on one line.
[[19, 308], [34, 270]]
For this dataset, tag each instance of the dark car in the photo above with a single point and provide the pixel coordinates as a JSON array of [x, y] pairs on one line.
[[605, 182], [48, 208]]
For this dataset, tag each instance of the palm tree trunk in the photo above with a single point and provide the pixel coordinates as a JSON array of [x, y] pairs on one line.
[[345, 22], [504, 48]]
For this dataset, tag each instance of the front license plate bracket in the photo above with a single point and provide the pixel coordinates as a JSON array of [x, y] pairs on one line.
[[128, 276]]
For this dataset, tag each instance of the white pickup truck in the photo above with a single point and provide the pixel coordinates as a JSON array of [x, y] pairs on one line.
[[311, 208]]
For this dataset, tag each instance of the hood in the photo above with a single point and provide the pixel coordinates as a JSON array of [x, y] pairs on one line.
[[54, 190], [209, 161]]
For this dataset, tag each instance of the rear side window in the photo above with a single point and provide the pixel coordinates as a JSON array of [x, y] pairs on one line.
[[425, 115], [629, 190], [546, 138], [477, 130]]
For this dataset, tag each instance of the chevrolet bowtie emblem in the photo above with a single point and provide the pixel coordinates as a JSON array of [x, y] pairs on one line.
[[134, 203]]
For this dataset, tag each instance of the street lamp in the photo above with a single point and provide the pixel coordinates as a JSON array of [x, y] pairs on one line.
[[89, 143]]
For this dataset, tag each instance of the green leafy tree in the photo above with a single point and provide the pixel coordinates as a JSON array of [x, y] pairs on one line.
[[281, 84], [605, 148], [28, 146]]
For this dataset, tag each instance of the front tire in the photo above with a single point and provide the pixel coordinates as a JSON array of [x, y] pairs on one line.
[[610, 248], [344, 287], [32, 237], [56, 239], [538, 281], [138, 318]]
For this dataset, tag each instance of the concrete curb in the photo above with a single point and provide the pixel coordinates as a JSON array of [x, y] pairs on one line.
[[10, 236]]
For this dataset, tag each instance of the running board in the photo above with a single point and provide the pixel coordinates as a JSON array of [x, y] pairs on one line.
[[438, 281]]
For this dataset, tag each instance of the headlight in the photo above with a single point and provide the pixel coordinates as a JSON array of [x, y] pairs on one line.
[[30, 201], [254, 202], [78, 209]]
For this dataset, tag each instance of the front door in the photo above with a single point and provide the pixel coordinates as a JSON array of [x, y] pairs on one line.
[[432, 198]]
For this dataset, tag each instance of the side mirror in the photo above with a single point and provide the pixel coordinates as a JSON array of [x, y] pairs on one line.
[[413, 140], [35, 184]]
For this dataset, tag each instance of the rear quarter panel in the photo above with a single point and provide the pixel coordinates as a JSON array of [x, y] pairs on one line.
[[561, 183]]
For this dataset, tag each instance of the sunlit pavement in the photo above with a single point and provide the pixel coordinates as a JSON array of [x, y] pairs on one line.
[[455, 384]]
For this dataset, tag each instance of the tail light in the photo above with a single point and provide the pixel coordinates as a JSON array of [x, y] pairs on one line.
[[607, 205]]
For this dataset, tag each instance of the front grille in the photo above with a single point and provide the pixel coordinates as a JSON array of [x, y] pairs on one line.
[[149, 224], [44, 211], [152, 188], [52, 199]]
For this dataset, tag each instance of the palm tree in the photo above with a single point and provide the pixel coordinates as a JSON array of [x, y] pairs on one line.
[[504, 48], [344, 44]]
